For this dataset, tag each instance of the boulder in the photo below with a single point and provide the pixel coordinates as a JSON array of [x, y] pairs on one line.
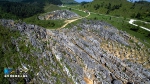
[[117, 82]]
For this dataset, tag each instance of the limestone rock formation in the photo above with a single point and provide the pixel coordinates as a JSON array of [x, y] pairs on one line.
[[58, 14], [80, 56]]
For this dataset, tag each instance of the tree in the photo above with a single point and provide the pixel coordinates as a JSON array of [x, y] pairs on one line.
[[134, 28], [133, 15], [109, 6], [52, 24], [138, 16], [110, 18], [69, 8], [95, 18], [21, 10], [83, 3], [108, 11], [97, 6], [148, 35]]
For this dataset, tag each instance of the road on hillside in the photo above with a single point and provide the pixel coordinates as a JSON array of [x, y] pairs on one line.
[[131, 21]]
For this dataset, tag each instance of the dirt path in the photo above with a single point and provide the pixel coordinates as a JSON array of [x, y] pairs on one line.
[[70, 21]]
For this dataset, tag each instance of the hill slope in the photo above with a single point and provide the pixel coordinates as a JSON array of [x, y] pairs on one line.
[[26, 8], [68, 1], [123, 8], [39, 1], [56, 2], [91, 51]]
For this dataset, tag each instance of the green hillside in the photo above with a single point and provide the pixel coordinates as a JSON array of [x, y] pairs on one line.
[[27, 8], [68, 1], [44, 1], [17, 10], [140, 10], [12, 0], [38, 1]]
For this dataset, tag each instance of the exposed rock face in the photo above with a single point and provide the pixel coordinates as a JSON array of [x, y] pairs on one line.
[[58, 14], [117, 82], [78, 55], [105, 30]]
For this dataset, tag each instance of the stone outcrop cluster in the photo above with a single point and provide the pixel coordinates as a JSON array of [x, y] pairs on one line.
[[76, 55], [58, 14]]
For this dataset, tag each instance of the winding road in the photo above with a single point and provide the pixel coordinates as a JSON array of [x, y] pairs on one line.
[[132, 22]]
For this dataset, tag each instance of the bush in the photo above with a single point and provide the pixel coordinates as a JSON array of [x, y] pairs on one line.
[[134, 28]]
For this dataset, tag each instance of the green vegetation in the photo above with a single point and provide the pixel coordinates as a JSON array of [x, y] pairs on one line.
[[56, 2], [118, 22], [7, 51], [28, 12], [6, 44], [122, 24], [76, 11], [83, 3], [83, 14], [50, 24], [20, 9], [50, 7], [37, 1], [74, 24], [12, 0], [122, 8], [142, 24], [10, 57], [16, 10], [69, 2]]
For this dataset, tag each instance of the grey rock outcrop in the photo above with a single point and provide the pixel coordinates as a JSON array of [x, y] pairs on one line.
[[77, 55], [117, 82], [103, 29], [58, 14]]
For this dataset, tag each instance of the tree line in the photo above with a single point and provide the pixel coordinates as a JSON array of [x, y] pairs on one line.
[[14, 10], [23, 8]]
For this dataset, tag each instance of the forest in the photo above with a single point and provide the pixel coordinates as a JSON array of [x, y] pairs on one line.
[[20, 9], [17, 10]]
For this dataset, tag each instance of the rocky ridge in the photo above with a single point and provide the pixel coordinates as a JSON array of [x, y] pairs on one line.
[[78, 56], [58, 14]]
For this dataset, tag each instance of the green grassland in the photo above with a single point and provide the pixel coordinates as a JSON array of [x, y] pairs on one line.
[[17, 10], [120, 23], [83, 14], [10, 57], [50, 7], [49, 24], [140, 10], [29, 13], [69, 2]]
